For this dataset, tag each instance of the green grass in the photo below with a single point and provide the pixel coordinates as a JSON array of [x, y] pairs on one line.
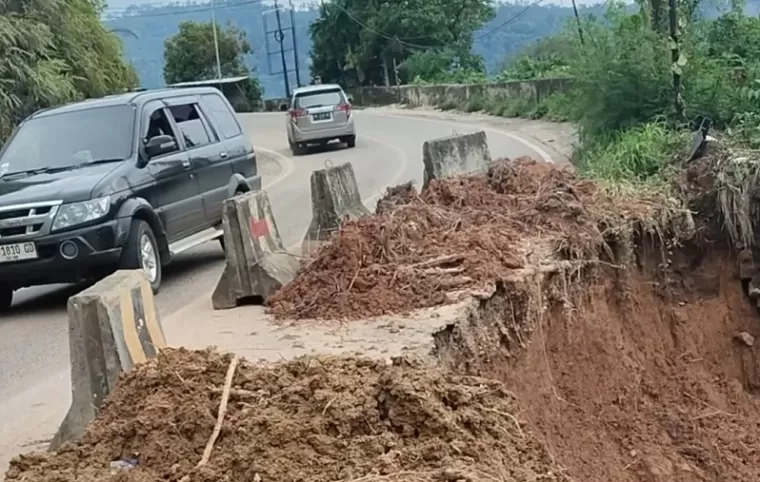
[[636, 156], [640, 154]]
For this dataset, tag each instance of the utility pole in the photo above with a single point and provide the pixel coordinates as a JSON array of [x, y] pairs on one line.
[[675, 57], [280, 37], [295, 43], [578, 21], [278, 33], [216, 43]]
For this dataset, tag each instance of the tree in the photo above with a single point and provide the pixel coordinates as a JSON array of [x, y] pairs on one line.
[[189, 56], [53, 51], [355, 42]]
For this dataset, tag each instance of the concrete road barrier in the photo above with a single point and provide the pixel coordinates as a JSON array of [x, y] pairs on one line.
[[112, 326], [335, 198], [454, 156], [257, 263]]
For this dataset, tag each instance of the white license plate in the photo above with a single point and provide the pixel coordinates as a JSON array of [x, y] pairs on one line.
[[17, 252]]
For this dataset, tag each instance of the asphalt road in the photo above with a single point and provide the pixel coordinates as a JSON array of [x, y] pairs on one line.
[[33, 337]]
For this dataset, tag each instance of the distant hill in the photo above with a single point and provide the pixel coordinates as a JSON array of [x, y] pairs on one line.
[[144, 30]]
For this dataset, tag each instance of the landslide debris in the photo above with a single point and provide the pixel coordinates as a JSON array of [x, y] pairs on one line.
[[458, 234], [311, 419]]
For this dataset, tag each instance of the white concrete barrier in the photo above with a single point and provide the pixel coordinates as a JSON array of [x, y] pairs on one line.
[[257, 263], [113, 325]]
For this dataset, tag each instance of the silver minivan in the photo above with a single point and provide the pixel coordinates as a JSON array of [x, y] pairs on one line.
[[318, 114]]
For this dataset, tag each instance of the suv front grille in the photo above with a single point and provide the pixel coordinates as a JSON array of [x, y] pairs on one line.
[[22, 213], [27, 220]]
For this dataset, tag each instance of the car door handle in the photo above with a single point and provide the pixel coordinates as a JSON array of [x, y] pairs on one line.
[[186, 163], [223, 155]]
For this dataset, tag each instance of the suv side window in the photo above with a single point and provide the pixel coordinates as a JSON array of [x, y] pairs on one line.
[[223, 117], [158, 124], [191, 125]]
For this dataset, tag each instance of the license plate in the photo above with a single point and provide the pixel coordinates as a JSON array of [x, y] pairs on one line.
[[322, 116], [17, 252]]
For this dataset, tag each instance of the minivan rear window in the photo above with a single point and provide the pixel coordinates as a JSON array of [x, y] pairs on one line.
[[319, 98]]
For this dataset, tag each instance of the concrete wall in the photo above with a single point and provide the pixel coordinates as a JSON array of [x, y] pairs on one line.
[[435, 95]]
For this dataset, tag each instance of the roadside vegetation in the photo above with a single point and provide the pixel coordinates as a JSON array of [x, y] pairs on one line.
[[623, 98], [632, 120], [54, 51]]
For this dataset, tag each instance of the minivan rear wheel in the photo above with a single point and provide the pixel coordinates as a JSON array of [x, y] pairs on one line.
[[296, 148], [351, 141]]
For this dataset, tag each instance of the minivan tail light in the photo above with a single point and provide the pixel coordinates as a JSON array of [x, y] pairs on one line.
[[296, 113], [343, 108]]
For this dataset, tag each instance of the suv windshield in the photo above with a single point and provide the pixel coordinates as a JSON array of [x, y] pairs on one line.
[[70, 139], [319, 98]]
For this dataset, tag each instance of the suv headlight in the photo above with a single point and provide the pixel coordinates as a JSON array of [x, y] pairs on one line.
[[77, 213]]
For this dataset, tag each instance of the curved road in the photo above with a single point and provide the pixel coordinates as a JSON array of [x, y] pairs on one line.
[[33, 337]]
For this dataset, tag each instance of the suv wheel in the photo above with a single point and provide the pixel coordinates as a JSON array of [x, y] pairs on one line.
[[351, 141], [6, 299], [141, 252], [297, 148]]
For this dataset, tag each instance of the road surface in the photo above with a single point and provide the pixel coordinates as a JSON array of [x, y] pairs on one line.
[[33, 337]]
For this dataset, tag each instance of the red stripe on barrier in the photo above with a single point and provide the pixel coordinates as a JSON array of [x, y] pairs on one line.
[[259, 228]]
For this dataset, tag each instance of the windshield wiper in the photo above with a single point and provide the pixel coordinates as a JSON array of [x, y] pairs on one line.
[[98, 161], [48, 169], [28, 172]]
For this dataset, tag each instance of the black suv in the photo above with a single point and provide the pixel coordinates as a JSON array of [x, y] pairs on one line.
[[125, 181]]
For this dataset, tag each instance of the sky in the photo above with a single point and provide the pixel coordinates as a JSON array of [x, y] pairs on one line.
[[122, 4]]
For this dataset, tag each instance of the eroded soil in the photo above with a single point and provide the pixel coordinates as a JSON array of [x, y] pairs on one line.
[[646, 379], [312, 419]]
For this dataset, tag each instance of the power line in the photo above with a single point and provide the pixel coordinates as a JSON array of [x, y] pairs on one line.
[[383, 34], [124, 14], [507, 22], [387, 36]]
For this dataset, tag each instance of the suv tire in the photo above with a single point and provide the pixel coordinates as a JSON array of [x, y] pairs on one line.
[[6, 299], [142, 252], [351, 141], [298, 149]]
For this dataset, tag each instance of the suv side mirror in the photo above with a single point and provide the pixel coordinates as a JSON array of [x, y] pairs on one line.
[[350, 98], [283, 107], [159, 145]]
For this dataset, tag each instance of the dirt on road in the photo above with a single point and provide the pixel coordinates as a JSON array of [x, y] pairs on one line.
[[312, 419], [458, 234], [611, 338]]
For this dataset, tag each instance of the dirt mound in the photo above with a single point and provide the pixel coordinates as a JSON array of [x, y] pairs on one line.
[[458, 234], [318, 419]]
